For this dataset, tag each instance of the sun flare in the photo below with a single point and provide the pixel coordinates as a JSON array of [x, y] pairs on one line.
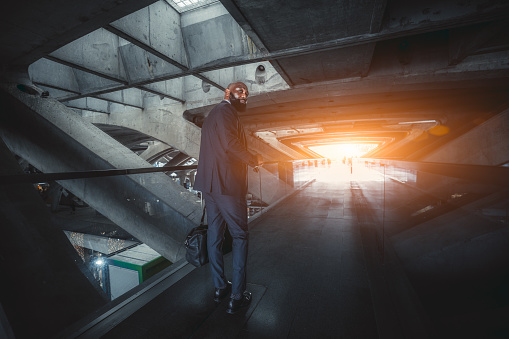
[[339, 151]]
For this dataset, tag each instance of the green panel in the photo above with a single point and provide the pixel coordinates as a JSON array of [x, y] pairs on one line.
[[129, 266], [153, 267]]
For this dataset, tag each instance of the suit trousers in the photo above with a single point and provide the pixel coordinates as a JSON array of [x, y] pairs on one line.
[[223, 210]]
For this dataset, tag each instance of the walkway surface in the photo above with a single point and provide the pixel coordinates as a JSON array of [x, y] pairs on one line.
[[306, 269]]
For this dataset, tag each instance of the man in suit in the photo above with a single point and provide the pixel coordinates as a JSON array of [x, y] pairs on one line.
[[222, 179]]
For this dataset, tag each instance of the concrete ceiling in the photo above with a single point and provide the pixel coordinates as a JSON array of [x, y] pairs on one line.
[[335, 71]]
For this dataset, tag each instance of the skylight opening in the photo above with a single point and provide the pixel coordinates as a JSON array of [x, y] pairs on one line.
[[186, 5]]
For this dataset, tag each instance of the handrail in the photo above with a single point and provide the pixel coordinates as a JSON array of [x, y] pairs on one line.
[[45, 177], [492, 175]]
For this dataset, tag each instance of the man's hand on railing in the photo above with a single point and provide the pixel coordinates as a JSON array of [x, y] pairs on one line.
[[259, 162]]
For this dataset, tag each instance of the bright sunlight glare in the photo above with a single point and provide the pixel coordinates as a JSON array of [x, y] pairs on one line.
[[339, 151]]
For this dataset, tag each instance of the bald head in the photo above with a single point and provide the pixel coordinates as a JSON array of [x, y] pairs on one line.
[[239, 84], [237, 94]]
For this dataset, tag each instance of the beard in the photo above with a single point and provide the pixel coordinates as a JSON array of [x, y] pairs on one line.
[[239, 106]]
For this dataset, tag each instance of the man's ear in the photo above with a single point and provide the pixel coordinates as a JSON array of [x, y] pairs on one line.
[[227, 94]]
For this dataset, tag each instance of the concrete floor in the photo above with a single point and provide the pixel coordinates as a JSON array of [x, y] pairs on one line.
[[321, 265], [306, 271]]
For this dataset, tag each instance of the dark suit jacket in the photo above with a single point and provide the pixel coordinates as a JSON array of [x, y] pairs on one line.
[[222, 167]]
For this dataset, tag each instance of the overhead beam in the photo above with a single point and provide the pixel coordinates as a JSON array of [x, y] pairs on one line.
[[346, 42], [88, 109], [158, 54], [117, 102], [105, 76], [368, 38], [199, 76], [55, 87], [95, 97], [85, 69], [160, 94], [144, 46]]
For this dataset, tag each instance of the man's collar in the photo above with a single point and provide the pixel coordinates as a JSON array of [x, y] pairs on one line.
[[228, 101]]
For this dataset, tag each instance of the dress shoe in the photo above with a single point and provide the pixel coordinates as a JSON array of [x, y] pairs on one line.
[[220, 293], [235, 305]]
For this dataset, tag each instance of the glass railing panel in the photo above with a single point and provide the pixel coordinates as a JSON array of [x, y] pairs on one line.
[[450, 235], [116, 259], [413, 197], [275, 180]]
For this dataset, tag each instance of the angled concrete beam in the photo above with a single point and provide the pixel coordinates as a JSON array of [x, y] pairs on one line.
[[149, 206], [234, 11], [377, 15], [282, 72]]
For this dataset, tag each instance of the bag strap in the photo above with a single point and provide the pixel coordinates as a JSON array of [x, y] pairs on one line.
[[202, 216]]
